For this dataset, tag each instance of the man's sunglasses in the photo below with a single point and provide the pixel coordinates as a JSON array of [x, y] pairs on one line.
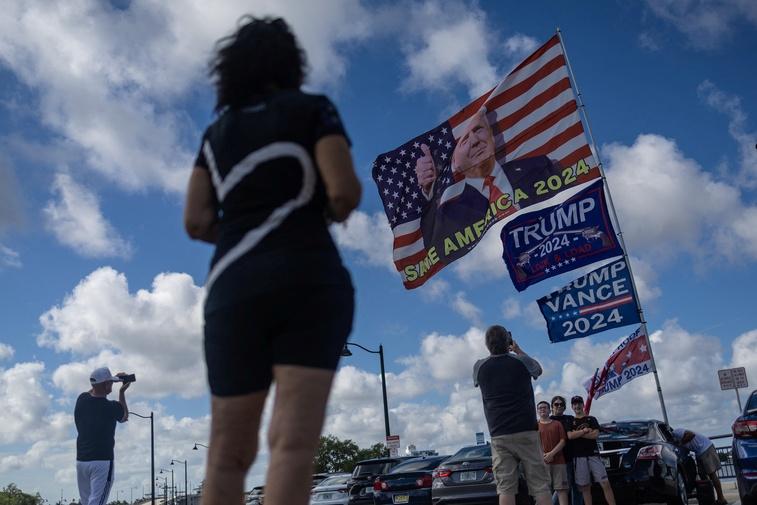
[[558, 404]]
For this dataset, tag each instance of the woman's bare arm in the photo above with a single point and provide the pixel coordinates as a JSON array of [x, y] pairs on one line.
[[334, 160], [201, 210]]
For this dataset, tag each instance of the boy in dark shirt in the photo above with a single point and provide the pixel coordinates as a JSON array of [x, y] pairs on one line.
[[586, 460], [558, 414]]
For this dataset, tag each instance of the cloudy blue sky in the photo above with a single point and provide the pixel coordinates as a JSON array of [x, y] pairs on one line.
[[102, 107]]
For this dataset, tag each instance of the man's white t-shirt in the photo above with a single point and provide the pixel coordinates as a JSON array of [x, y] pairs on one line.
[[698, 444]]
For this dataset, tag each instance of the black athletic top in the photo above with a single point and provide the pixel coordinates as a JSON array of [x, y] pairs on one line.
[[95, 420], [271, 198], [584, 447], [505, 382]]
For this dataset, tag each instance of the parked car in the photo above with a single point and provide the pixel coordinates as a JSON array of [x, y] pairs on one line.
[[644, 463], [744, 451], [320, 477], [361, 483], [409, 482], [467, 477], [333, 490], [255, 496]]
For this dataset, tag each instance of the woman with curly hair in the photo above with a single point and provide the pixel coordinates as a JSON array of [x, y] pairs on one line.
[[273, 170]]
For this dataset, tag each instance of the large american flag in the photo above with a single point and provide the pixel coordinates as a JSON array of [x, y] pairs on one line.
[[533, 111]]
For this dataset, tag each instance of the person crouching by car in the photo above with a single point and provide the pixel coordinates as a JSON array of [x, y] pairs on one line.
[[586, 461], [707, 457], [553, 439]]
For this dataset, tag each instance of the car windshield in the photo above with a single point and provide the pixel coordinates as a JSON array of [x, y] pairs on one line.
[[751, 405], [337, 480], [638, 430], [417, 465], [473, 452], [372, 468]]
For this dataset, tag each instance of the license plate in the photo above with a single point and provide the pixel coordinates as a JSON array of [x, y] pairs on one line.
[[401, 498], [368, 490], [606, 462], [467, 476]]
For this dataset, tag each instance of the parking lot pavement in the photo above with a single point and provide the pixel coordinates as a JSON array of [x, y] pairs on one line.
[[729, 490]]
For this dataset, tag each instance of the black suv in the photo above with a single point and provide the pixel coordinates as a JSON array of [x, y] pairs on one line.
[[365, 472]]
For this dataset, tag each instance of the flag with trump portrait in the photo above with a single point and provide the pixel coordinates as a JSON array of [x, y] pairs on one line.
[[520, 143]]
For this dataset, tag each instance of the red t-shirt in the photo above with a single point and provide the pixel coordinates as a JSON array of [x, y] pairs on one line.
[[551, 433]]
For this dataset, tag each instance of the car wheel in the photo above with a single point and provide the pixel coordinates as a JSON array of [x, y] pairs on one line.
[[681, 497]]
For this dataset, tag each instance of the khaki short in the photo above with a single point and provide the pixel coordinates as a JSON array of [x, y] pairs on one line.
[[587, 467], [522, 448], [709, 461], [558, 476]]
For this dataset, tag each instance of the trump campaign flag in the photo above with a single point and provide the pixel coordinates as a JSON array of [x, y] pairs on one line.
[[558, 238], [599, 301], [631, 359], [516, 145]]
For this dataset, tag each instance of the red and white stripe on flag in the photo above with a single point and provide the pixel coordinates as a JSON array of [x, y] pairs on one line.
[[533, 112]]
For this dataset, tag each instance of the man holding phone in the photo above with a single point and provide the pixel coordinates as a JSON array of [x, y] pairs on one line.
[[95, 417], [505, 381]]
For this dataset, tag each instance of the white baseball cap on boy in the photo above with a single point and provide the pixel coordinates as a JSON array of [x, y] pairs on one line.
[[102, 374]]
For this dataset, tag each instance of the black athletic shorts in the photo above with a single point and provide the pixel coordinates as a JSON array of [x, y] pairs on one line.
[[304, 326]]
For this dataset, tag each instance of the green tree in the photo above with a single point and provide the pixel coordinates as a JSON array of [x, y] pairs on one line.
[[335, 455], [12, 495]]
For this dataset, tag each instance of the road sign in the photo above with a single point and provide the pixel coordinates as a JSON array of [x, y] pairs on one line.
[[393, 444], [732, 378], [480, 438], [739, 377]]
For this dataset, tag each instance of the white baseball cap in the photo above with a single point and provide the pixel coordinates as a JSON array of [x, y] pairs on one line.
[[102, 374]]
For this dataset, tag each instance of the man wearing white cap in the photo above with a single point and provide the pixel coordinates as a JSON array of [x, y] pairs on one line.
[[95, 417]]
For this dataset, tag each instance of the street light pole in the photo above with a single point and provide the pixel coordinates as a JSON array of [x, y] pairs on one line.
[[186, 500], [380, 352], [152, 452], [173, 488]]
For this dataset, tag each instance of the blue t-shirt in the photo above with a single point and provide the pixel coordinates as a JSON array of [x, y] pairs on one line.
[[699, 444], [95, 420]]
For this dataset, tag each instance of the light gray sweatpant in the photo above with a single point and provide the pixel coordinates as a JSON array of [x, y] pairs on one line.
[[95, 479]]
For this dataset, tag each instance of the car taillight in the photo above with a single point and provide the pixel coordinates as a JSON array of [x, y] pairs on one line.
[[649, 452], [488, 469], [442, 473], [380, 485], [424, 481], [745, 428]]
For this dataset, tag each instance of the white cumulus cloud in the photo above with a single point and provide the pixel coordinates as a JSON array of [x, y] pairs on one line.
[[730, 105], [705, 23], [156, 333], [76, 220], [6, 351], [368, 236], [107, 78]]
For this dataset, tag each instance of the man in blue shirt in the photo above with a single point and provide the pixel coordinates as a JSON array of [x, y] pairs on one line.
[[707, 457]]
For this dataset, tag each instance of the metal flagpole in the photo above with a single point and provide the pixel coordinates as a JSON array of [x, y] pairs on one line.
[[617, 223]]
